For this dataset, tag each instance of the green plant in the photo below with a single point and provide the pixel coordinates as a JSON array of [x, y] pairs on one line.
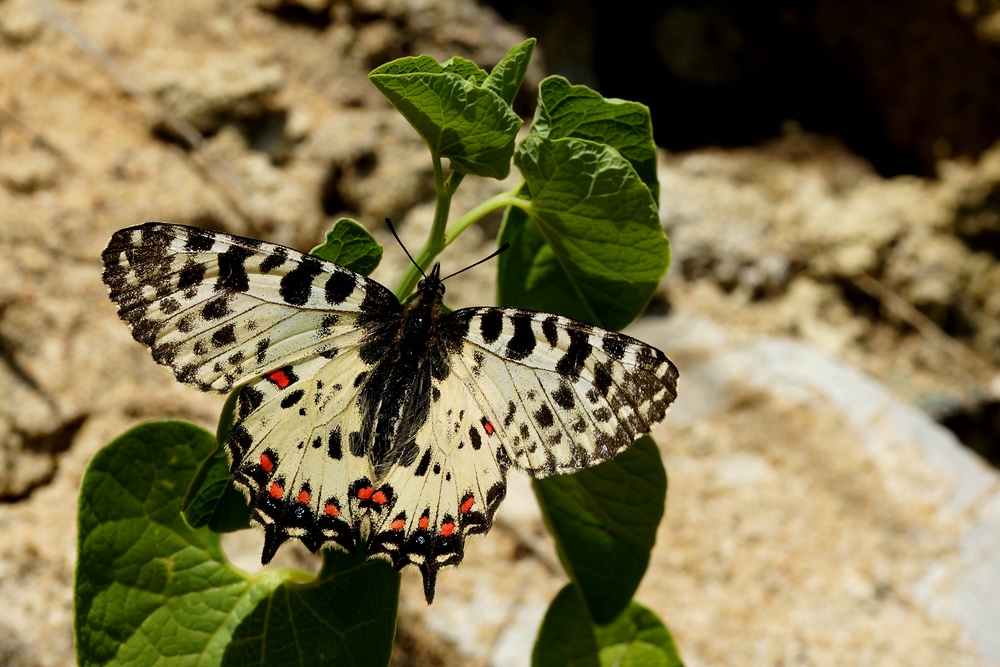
[[152, 583]]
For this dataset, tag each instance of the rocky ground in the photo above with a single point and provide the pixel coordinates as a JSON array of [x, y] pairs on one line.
[[822, 317]]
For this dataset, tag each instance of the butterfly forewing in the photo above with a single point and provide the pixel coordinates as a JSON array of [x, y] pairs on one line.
[[567, 394], [221, 309]]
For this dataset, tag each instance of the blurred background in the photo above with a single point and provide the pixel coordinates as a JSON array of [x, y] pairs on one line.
[[830, 175]]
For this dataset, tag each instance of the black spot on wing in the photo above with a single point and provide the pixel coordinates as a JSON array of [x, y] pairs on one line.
[[224, 336], [249, 400], [614, 344], [169, 306], [217, 308], [544, 416], [335, 449], [522, 342], [296, 285], [475, 438], [198, 241], [550, 330], [490, 325], [292, 398], [602, 379], [569, 364], [563, 396], [273, 261], [262, 346], [232, 271], [425, 462], [326, 325], [191, 275], [339, 286]]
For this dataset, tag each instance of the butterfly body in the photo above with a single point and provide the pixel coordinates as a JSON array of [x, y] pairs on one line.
[[360, 416]]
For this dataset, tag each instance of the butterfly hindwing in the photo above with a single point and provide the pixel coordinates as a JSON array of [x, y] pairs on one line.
[[448, 489], [296, 448], [567, 394]]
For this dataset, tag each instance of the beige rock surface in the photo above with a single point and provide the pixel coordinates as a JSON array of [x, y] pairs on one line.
[[787, 541]]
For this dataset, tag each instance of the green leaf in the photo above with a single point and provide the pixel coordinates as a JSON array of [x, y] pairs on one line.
[[566, 638], [569, 638], [565, 110], [530, 275], [151, 590], [350, 245], [604, 521], [212, 500], [458, 119], [466, 69], [637, 638], [505, 79], [349, 619], [597, 250]]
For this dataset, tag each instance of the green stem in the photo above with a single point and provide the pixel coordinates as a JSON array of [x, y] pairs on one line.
[[441, 235], [435, 243], [476, 214]]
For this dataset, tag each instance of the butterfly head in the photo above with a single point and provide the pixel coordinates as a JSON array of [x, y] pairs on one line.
[[432, 282]]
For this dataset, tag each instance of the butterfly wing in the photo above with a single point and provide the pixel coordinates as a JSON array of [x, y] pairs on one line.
[[298, 449], [450, 487], [302, 333], [560, 394], [219, 310]]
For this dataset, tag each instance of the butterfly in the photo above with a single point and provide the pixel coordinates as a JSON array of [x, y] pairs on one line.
[[359, 417]]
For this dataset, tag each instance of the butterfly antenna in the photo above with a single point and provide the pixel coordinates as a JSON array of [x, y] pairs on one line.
[[393, 230], [505, 246]]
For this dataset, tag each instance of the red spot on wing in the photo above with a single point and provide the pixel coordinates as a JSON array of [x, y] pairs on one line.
[[422, 524], [379, 497], [303, 496], [279, 378], [398, 524], [276, 490], [365, 493], [488, 427], [467, 505], [266, 463], [331, 509], [447, 528]]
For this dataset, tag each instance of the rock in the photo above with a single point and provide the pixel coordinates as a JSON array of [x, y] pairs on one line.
[[814, 517], [209, 89], [752, 222], [29, 163], [20, 21]]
